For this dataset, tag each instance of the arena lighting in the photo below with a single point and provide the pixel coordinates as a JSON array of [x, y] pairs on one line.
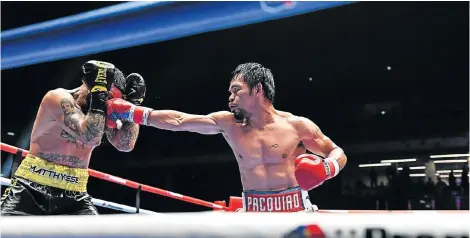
[[398, 160], [413, 168], [448, 156], [443, 171], [450, 161], [446, 175], [10, 133], [417, 175], [374, 165], [448, 171]]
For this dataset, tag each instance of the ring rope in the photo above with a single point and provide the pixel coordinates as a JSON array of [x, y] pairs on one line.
[[129, 183], [139, 23], [99, 202]]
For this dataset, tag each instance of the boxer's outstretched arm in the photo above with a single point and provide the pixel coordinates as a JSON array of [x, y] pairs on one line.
[[123, 139], [180, 121], [88, 128], [317, 142], [168, 119]]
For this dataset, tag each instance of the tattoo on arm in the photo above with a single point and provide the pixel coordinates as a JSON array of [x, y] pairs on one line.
[[123, 139], [89, 127]]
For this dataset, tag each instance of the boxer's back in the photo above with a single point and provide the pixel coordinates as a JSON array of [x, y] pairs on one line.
[[51, 141], [265, 155]]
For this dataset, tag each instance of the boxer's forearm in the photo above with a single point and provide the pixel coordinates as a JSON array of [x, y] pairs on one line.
[[338, 155], [124, 139], [180, 121], [163, 119], [166, 120]]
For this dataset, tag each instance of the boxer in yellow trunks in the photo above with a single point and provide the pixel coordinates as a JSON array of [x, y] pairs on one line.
[[52, 179], [269, 145]]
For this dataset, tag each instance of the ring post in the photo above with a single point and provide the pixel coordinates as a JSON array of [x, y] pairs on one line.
[[17, 158], [137, 198]]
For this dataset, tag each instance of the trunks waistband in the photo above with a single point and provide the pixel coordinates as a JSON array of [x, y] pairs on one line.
[[288, 200], [50, 174]]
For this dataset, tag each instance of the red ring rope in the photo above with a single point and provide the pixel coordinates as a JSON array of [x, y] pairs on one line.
[[128, 183]]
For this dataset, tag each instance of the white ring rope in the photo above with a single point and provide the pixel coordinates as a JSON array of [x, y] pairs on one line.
[[236, 224], [100, 203]]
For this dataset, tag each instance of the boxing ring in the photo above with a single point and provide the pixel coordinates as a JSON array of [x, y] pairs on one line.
[[224, 222], [65, 38]]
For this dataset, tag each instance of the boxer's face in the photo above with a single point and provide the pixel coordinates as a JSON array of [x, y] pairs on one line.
[[241, 101]]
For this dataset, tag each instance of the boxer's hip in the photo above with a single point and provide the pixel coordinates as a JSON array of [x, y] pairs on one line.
[[24, 197], [49, 174], [288, 200]]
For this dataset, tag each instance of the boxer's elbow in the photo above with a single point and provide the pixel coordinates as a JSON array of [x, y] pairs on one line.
[[121, 143], [126, 147]]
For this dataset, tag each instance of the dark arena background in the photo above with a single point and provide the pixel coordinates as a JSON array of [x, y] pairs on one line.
[[384, 80]]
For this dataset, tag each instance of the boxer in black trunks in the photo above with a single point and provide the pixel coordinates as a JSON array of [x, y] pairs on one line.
[[52, 179]]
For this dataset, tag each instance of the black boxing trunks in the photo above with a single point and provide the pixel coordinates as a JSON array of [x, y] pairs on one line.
[[288, 200], [40, 187]]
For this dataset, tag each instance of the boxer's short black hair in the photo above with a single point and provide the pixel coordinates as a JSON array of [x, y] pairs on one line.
[[119, 80], [254, 73]]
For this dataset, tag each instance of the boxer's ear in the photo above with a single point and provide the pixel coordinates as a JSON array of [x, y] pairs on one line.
[[259, 88]]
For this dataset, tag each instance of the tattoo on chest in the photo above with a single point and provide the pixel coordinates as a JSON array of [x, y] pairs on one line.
[[273, 146], [71, 139], [63, 159]]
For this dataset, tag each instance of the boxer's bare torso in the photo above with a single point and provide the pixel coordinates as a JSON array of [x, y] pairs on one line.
[[59, 134], [265, 155]]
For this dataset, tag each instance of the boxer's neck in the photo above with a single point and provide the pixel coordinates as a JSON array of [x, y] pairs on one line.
[[263, 114]]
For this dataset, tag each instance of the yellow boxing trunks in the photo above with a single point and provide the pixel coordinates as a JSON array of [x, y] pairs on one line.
[[49, 174], [40, 187]]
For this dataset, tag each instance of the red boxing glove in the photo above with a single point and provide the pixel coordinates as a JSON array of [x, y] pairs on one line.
[[114, 92], [120, 109], [311, 170]]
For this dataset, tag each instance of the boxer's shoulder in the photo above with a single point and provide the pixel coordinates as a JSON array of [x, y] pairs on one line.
[[222, 117], [55, 96], [301, 123], [291, 118], [57, 91], [285, 115]]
